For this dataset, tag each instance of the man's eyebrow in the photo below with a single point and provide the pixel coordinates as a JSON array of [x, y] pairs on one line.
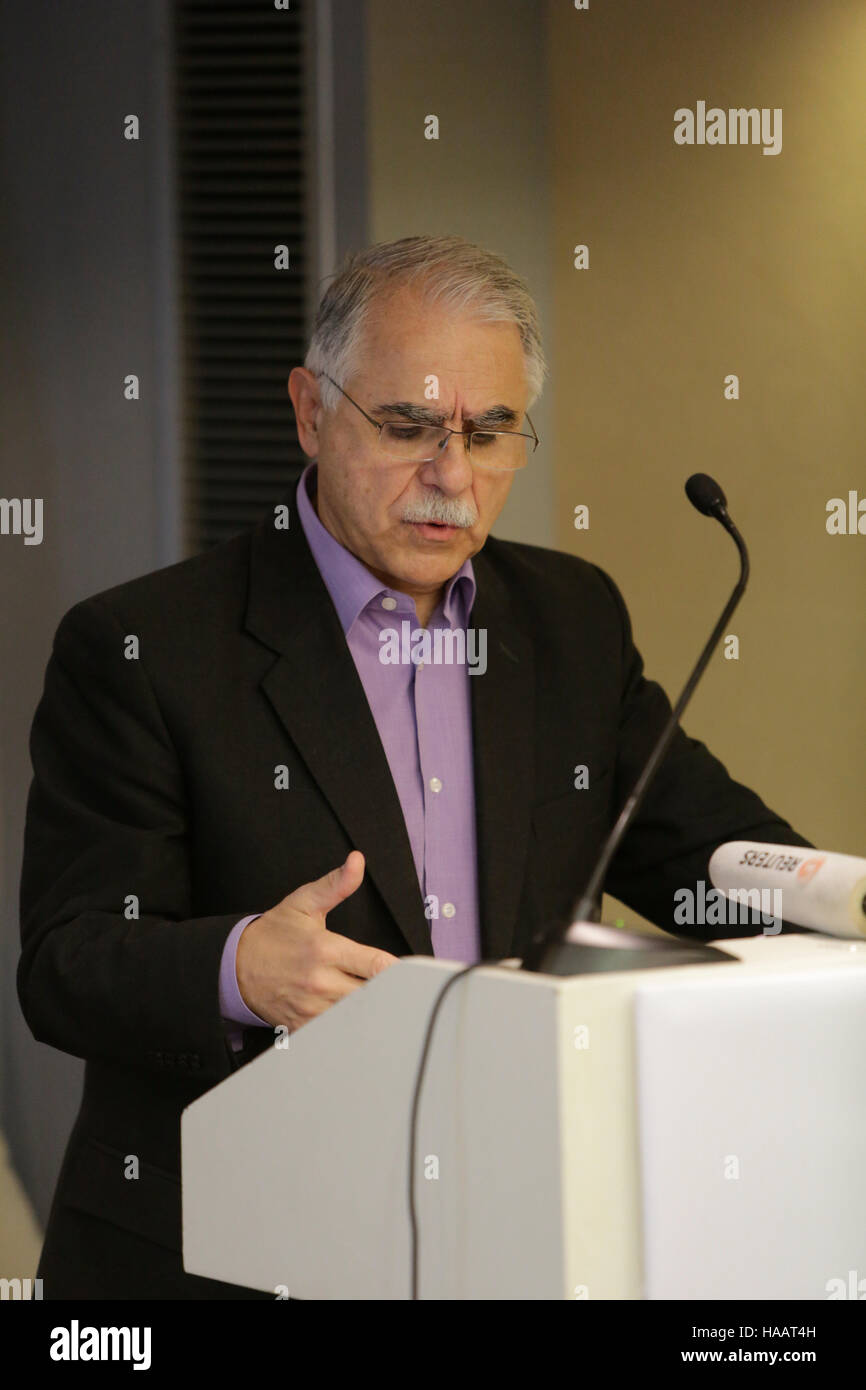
[[426, 415], [497, 415], [408, 410]]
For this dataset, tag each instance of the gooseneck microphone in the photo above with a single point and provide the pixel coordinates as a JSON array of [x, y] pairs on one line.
[[601, 946], [585, 946]]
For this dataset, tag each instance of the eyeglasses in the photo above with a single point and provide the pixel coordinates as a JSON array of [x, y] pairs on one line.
[[498, 451]]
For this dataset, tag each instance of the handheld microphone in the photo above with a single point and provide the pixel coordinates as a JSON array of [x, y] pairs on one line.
[[816, 888], [584, 945]]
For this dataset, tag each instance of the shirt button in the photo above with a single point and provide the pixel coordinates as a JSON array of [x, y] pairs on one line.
[[448, 909], [435, 784], [389, 603]]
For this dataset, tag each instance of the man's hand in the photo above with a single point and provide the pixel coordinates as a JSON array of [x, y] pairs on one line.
[[289, 967]]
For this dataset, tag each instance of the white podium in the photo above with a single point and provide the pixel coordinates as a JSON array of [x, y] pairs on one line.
[[689, 1132]]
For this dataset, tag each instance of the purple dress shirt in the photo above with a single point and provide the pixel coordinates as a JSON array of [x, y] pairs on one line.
[[424, 719]]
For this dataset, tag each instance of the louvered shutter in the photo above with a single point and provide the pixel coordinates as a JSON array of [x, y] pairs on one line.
[[241, 106]]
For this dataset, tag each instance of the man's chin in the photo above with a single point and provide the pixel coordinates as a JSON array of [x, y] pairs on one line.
[[428, 566]]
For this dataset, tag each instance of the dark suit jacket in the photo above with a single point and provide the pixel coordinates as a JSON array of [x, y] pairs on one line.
[[154, 777]]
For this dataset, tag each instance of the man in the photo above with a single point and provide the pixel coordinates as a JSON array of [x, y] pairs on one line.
[[248, 799]]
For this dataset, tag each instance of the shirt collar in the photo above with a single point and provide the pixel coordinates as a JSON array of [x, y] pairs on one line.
[[351, 585]]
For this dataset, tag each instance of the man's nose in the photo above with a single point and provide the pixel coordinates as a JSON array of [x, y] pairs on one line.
[[452, 470]]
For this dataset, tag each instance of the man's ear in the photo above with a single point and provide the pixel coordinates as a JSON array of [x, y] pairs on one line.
[[304, 393]]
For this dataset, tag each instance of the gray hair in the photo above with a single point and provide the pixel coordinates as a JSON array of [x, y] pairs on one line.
[[449, 270]]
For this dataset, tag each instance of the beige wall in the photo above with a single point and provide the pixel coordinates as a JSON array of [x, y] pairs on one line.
[[557, 128], [480, 68], [706, 261]]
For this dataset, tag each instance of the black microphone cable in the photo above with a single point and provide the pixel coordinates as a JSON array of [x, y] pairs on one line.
[[707, 497], [416, 1103]]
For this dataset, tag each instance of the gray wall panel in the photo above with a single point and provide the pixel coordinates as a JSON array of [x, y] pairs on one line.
[[86, 298]]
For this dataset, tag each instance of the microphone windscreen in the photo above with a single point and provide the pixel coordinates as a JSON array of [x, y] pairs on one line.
[[816, 888], [704, 493]]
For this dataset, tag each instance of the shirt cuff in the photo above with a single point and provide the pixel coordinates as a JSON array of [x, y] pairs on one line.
[[232, 1007]]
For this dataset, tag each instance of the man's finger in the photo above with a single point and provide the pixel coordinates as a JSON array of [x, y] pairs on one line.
[[355, 959], [319, 897]]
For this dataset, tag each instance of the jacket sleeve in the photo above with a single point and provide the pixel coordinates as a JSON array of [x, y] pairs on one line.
[[113, 966], [692, 807]]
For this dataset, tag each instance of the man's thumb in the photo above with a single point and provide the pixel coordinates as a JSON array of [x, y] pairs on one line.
[[325, 893]]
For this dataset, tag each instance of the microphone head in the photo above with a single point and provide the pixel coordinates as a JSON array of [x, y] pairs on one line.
[[704, 493]]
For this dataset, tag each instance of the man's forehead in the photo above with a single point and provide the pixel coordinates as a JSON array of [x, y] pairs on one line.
[[441, 361], [409, 329], [427, 376]]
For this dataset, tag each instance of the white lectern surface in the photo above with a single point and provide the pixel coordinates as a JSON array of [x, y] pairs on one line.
[[578, 1137], [753, 1140]]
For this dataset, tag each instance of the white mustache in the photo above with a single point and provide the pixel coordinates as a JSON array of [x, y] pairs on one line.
[[448, 511]]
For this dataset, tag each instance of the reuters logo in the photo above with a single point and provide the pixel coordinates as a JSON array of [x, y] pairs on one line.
[[810, 867]]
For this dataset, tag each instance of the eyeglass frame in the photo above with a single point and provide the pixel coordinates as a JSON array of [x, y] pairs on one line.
[[379, 425]]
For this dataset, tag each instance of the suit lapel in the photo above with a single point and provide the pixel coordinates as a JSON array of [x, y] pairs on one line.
[[315, 690], [503, 714]]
